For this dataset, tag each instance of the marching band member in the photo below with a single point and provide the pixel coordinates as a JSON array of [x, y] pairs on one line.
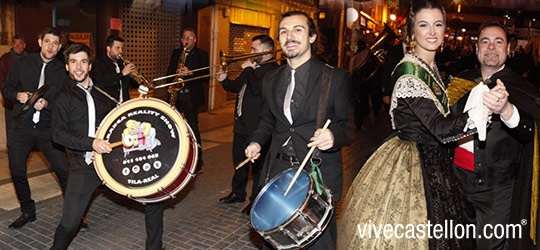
[[248, 108], [192, 96], [32, 128], [110, 73], [78, 111], [290, 109]]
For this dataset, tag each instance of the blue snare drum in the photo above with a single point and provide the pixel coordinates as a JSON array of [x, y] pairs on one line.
[[295, 220]]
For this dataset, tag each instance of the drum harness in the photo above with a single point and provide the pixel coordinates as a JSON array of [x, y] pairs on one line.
[[106, 94], [316, 159]]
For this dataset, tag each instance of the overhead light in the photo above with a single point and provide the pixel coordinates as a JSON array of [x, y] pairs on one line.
[[322, 15], [463, 30], [352, 15], [393, 17]]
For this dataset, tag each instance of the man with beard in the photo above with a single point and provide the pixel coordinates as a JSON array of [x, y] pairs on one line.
[[30, 128], [110, 73], [6, 61], [290, 113], [248, 108], [78, 111], [486, 169]]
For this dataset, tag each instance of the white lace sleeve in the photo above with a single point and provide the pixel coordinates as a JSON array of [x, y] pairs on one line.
[[408, 87]]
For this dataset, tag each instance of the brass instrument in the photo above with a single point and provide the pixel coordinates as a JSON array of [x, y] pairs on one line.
[[225, 61], [366, 62], [387, 35], [174, 92], [138, 77], [191, 79]]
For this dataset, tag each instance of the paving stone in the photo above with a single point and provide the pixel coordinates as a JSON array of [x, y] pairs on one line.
[[194, 220]]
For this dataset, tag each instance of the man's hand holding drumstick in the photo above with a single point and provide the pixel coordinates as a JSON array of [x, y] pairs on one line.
[[104, 147]]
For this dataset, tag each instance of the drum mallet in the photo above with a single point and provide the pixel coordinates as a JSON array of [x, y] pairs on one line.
[[243, 163], [304, 161], [126, 141]]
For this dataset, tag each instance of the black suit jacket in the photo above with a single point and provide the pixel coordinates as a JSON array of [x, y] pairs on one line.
[[105, 77], [24, 76], [252, 101], [197, 58], [70, 117], [494, 163], [274, 123]]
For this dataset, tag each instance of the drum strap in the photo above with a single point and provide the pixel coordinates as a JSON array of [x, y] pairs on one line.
[[107, 95], [317, 178], [323, 101], [321, 111], [325, 91]]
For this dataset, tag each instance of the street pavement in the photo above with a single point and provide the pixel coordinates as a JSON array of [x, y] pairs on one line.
[[194, 220]]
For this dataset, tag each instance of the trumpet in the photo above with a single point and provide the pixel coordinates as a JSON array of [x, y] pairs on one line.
[[138, 77], [224, 62]]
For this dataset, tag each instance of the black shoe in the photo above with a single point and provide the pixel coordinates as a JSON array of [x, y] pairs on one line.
[[22, 220], [247, 210], [231, 198], [84, 225]]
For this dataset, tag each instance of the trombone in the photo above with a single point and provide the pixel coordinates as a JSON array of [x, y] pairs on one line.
[[225, 61], [138, 77]]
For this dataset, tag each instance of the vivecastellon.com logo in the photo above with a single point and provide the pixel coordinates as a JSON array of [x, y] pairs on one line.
[[449, 230]]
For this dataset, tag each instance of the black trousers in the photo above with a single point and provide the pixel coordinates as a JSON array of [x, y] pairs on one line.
[[491, 205], [191, 113], [22, 139], [240, 178], [8, 115], [82, 183]]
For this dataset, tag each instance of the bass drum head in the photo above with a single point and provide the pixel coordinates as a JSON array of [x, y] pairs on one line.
[[271, 209], [161, 146]]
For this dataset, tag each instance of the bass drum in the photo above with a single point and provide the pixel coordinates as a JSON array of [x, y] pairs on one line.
[[293, 221], [365, 65], [162, 155]]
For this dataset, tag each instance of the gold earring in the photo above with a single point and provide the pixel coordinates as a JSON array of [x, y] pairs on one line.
[[442, 47], [412, 43]]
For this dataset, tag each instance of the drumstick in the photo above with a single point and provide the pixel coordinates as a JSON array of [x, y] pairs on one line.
[[127, 141], [305, 161], [243, 163]]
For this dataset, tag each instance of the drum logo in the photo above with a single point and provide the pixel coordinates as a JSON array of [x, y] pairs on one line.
[[150, 146], [139, 136]]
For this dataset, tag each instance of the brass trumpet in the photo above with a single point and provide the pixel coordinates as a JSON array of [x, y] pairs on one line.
[[138, 77]]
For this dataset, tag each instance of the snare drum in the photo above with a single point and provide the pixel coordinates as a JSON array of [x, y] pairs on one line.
[[163, 155], [295, 220]]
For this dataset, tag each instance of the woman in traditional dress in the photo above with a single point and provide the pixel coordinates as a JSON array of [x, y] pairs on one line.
[[409, 179]]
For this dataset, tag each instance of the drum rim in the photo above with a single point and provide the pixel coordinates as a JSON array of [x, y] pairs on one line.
[[189, 176], [179, 163], [287, 221]]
